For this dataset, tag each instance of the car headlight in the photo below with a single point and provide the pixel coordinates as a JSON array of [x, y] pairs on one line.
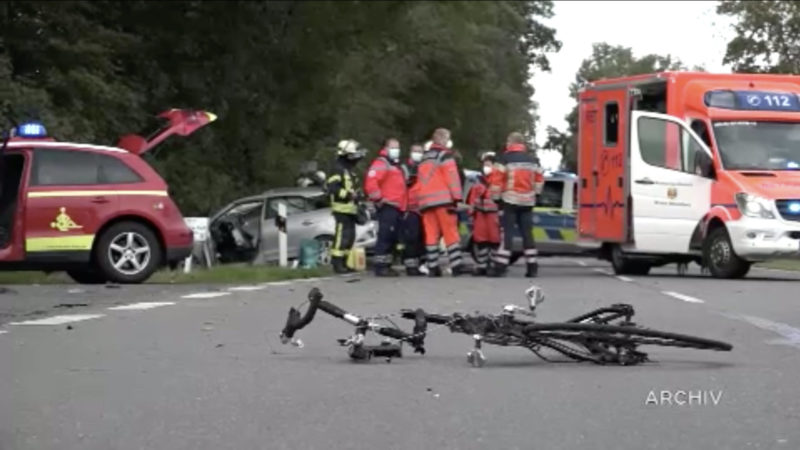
[[755, 206]]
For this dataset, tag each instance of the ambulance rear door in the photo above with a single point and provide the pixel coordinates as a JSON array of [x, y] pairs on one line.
[[609, 178]]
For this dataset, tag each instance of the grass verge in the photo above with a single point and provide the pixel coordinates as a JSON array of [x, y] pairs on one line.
[[228, 274], [781, 264]]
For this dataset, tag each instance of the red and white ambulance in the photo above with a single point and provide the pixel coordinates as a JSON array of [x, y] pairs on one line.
[[686, 166]]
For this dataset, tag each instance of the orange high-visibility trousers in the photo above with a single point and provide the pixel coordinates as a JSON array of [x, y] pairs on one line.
[[440, 222]]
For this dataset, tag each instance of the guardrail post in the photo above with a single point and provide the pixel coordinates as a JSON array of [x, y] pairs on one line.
[[280, 221]]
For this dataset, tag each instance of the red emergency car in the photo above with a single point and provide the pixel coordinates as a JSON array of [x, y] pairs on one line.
[[101, 213]]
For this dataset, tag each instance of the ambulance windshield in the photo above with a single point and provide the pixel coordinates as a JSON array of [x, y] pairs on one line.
[[755, 145]]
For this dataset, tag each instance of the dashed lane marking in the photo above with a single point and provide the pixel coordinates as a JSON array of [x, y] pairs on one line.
[[625, 279], [277, 283], [140, 306], [679, 296], [603, 271], [3, 331], [247, 288], [59, 320], [206, 295], [581, 263]]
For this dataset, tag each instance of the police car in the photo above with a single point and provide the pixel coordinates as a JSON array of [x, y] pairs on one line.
[[100, 213], [554, 217]]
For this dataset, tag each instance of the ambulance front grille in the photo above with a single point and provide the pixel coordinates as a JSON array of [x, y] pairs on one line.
[[789, 209]]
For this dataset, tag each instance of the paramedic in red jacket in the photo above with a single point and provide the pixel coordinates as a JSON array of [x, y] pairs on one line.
[[413, 242], [439, 194], [385, 186], [514, 185], [485, 219]]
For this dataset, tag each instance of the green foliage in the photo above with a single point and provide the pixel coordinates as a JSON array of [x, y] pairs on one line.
[[286, 79], [606, 61], [767, 36]]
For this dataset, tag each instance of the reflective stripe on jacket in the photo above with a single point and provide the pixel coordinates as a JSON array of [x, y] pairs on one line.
[[386, 183], [438, 179], [341, 188], [518, 178]]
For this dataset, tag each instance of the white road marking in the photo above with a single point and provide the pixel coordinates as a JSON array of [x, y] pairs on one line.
[[683, 297], [581, 263], [140, 306], [625, 279], [277, 283], [247, 288], [206, 295], [603, 271], [790, 333], [60, 320], [3, 331]]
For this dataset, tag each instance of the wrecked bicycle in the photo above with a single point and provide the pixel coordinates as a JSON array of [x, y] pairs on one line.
[[603, 336]]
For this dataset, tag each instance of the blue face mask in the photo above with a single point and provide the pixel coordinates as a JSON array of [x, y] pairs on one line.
[[394, 153]]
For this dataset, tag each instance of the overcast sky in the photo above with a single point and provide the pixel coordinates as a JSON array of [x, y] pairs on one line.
[[688, 30]]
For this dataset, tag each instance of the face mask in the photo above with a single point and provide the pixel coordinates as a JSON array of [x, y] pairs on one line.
[[394, 153], [487, 170], [416, 157]]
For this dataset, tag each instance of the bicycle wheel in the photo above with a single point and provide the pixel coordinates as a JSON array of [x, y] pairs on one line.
[[621, 335]]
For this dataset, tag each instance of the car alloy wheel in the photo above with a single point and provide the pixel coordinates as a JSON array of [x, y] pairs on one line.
[[129, 253]]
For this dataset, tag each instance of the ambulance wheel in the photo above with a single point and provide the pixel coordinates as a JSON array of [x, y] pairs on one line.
[[128, 252], [720, 258], [86, 276], [626, 266]]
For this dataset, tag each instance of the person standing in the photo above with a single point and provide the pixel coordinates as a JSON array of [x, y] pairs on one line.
[[439, 194], [514, 185], [413, 243], [342, 187], [485, 219], [385, 186]]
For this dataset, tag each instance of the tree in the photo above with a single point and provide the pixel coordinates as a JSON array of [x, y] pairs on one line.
[[606, 61], [286, 79], [767, 36]]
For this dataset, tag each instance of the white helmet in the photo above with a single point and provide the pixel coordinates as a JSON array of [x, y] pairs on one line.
[[349, 148]]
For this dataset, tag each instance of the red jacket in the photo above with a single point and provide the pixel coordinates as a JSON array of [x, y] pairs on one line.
[[410, 171], [438, 178], [518, 179], [480, 199], [385, 182]]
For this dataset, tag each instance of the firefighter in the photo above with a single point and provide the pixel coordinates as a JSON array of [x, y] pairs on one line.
[[439, 194], [385, 186], [514, 185], [413, 243], [485, 219], [342, 187]]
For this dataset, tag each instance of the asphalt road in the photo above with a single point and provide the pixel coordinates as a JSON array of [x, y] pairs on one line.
[[191, 367]]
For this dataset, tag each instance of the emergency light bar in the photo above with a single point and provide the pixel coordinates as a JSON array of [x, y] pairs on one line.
[[31, 130], [753, 100]]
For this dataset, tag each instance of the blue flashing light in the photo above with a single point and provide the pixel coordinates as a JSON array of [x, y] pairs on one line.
[[794, 207], [31, 130]]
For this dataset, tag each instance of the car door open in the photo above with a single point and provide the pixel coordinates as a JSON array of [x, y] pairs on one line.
[[669, 197]]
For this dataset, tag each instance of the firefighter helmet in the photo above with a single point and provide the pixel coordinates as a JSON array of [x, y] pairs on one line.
[[350, 148]]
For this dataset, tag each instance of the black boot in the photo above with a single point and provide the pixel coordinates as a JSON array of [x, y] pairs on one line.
[[338, 265], [413, 272], [479, 272], [461, 269], [533, 270], [385, 271], [497, 270], [435, 272]]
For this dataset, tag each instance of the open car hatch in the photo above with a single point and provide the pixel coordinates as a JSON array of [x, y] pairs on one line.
[[182, 122]]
